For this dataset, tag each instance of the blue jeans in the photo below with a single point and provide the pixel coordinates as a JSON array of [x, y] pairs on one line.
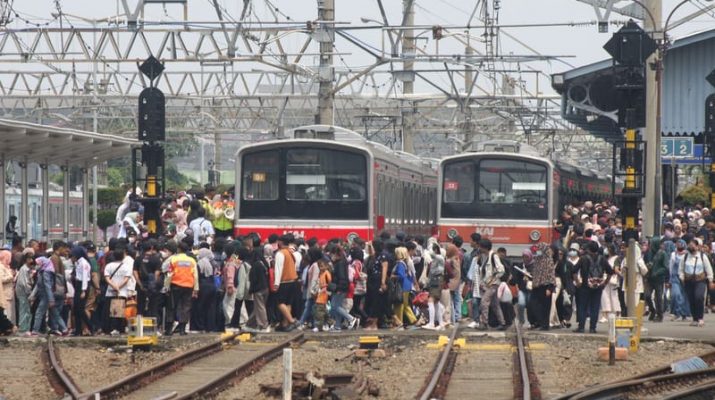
[[456, 305], [589, 305], [337, 310], [521, 305], [40, 313], [475, 308], [307, 310]]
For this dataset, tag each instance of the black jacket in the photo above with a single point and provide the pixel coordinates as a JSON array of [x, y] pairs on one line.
[[258, 278], [340, 275]]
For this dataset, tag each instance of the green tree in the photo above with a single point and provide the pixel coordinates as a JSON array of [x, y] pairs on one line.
[[105, 219], [115, 177], [698, 193]]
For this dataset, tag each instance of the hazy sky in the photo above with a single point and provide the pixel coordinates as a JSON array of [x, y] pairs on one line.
[[583, 43]]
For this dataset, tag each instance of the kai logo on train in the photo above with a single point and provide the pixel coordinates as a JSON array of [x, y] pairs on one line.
[[484, 230]]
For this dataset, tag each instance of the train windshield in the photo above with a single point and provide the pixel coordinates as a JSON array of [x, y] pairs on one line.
[[495, 189], [301, 182], [324, 175]]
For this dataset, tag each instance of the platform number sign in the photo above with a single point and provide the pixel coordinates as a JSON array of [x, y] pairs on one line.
[[676, 147]]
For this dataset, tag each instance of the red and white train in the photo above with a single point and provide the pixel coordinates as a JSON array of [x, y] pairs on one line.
[[509, 194], [329, 182]]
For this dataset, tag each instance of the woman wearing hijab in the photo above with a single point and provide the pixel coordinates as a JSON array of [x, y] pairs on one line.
[[679, 307], [523, 282], [7, 279], [206, 312], [543, 284]]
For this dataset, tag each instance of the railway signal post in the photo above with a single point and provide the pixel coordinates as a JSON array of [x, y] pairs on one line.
[[630, 47], [152, 125], [710, 135]]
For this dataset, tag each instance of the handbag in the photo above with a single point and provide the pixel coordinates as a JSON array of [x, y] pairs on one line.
[[420, 299], [394, 290], [130, 308], [116, 307]]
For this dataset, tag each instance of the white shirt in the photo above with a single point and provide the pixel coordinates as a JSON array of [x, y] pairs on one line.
[[201, 227], [123, 270], [82, 272]]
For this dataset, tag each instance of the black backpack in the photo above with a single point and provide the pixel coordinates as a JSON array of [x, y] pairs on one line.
[[374, 274], [595, 270]]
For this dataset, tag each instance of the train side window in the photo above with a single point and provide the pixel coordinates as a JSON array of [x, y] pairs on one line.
[[260, 175]]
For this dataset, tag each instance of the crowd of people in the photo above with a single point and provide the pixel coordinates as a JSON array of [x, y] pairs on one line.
[[196, 277]]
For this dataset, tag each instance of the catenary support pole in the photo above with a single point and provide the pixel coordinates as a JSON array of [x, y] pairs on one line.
[[45, 203], [25, 226], [326, 37], [66, 203], [3, 204], [653, 187], [85, 203], [95, 202], [408, 85]]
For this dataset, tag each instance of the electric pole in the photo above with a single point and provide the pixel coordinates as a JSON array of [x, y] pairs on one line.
[[326, 37], [653, 190], [408, 85]]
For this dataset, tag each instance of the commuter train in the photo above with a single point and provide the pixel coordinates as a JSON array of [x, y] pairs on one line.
[[509, 194], [34, 198], [330, 182]]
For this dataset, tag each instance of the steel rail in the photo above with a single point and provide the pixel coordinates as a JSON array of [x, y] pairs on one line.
[[622, 388], [526, 385], [64, 378], [707, 388], [708, 357], [158, 370], [426, 393], [247, 367]]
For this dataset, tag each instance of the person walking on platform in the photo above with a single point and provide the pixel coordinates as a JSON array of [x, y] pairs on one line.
[[184, 279], [544, 281], [679, 307], [491, 270], [589, 272], [697, 273]]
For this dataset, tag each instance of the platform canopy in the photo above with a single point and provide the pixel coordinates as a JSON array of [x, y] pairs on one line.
[[46, 144]]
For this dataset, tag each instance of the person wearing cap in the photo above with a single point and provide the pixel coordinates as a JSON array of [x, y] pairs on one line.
[[696, 272]]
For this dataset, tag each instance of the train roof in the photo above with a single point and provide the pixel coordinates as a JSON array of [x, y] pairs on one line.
[[329, 134]]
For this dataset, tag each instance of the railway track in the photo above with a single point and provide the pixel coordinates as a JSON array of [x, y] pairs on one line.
[[655, 387], [193, 374], [661, 373], [58, 374], [455, 377]]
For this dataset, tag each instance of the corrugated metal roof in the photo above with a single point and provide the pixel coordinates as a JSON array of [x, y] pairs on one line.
[[685, 88]]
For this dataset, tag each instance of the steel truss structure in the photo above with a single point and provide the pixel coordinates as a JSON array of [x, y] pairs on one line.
[[242, 79]]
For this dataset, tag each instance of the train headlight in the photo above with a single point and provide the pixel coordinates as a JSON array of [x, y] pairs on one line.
[[452, 233], [352, 236], [535, 235]]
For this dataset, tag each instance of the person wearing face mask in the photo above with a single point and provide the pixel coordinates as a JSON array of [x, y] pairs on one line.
[[641, 272], [679, 307], [609, 297], [590, 270], [696, 273]]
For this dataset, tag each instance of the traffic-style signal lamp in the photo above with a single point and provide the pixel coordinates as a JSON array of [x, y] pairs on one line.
[[152, 117]]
